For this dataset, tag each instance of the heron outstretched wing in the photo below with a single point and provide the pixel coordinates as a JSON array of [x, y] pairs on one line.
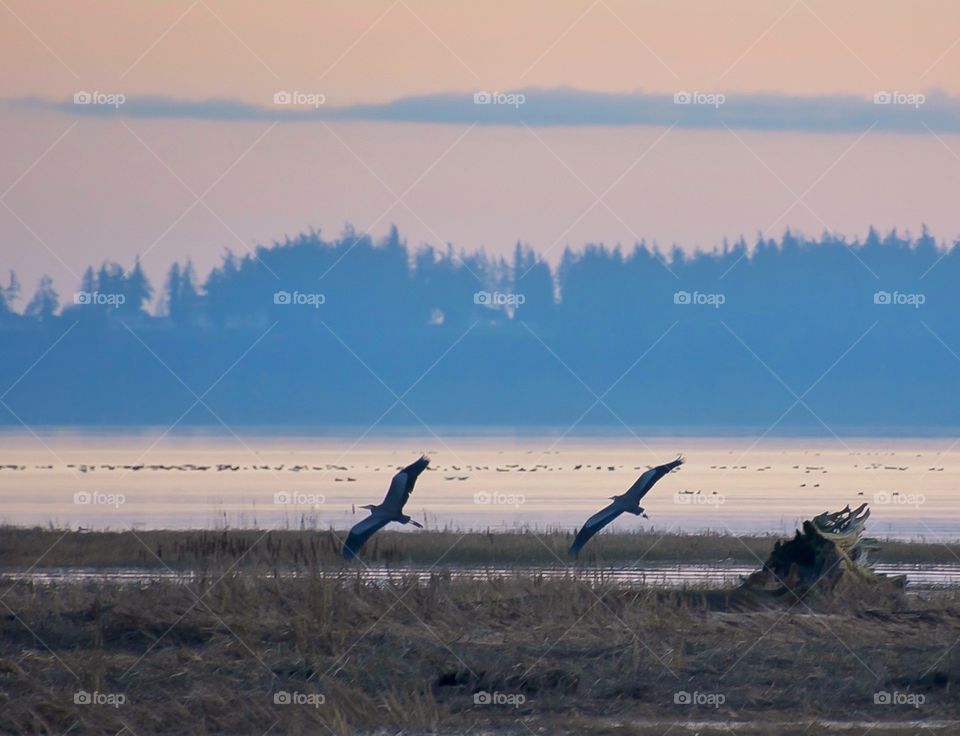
[[594, 524], [361, 532], [646, 481], [402, 485]]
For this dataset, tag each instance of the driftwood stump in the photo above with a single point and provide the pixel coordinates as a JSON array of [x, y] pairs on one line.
[[828, 558]]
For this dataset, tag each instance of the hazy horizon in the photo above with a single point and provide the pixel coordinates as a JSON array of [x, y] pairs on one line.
[[82, 187], [183, 131]]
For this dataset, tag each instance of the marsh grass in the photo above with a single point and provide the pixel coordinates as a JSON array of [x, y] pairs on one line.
[[208, 653], [305, 549], [208, 656]]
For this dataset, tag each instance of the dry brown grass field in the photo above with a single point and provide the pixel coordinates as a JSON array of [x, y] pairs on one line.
[[238, 650], [559, 656]]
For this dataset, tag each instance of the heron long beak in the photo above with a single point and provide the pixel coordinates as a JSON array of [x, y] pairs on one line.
[[644, 515], [416, 524]]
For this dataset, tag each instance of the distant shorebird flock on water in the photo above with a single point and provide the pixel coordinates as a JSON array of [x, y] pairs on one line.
[[391, 509]]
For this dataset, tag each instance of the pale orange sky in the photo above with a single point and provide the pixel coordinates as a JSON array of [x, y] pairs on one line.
[[374, 51], [80, 190]]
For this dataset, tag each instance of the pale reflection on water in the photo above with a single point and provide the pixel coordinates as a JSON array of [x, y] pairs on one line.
[[143, 479], [660, 575]]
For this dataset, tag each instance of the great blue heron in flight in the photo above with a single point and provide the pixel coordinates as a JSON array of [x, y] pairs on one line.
[[629, 502], [390, 510]]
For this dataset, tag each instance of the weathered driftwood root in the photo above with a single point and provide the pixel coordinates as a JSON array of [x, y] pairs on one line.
[[828, 558]]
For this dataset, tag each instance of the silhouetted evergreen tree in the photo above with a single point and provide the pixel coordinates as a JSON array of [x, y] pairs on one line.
[[181, 302], [532, 278], [136, 289], [9, 293], [45, 302], [111, 284], [88, 284], [171, 289]]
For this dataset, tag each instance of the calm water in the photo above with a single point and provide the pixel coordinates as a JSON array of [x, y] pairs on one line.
[[145, 479], [666, 575]]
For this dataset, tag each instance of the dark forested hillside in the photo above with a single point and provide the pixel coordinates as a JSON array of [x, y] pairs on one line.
[[823, 336]]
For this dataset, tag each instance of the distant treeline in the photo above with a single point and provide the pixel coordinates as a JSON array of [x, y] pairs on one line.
[[798, 335]]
